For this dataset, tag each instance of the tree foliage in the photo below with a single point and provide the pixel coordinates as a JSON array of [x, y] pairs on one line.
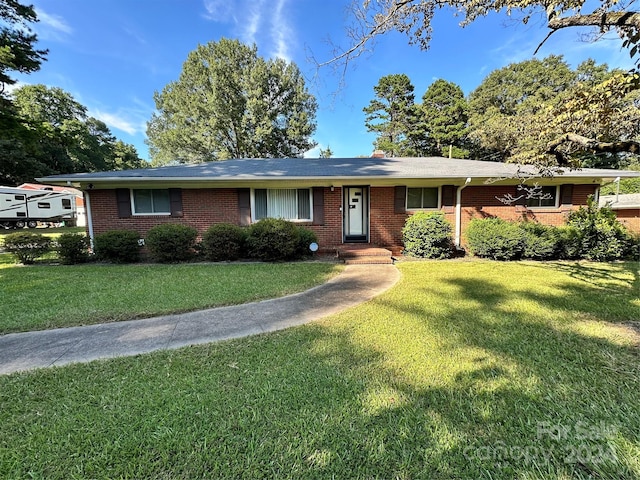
[[46, 131], [414, 18], [392, 116], [231, 103], [444, 111], [17, 42]]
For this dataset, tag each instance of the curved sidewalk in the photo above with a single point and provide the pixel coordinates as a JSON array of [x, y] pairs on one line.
[[30, 350]]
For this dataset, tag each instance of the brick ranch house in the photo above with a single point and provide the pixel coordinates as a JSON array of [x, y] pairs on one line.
[[626, 207], [344, 200]]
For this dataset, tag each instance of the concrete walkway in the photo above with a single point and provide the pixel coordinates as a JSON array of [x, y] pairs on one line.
[[30, 350]]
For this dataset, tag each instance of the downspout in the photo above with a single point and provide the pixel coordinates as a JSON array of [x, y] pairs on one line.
[[459, 210], [89, 218]]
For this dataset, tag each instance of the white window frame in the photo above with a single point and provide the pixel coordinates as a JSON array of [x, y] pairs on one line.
[[413, 209], [556, 202], [294, 220], [147, 214]]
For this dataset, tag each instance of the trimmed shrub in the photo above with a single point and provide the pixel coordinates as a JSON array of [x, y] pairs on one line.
[[427, 235], [307, 237], [569, 242], [72, 248], [171, 242], [224, 241], [118, 246], [602, 236], [273, 239], [540, 242], [27, 246], [495, 238]]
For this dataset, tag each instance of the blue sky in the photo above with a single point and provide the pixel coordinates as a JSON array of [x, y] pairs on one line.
[[112, 55]]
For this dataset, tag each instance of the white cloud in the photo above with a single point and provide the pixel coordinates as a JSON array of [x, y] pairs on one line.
[[255, 19], [52, 27], [125, 121], [281, 32], [218, 10]]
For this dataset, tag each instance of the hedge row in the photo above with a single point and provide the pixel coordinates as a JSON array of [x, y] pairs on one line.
[[268, 240], [591, 233]]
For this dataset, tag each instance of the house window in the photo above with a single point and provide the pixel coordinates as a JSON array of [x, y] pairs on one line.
[[286, 203], [151, 202], [543, 197], [422, 198]]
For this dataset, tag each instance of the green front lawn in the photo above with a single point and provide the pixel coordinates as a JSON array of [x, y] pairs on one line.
[[39, 297], [463, 370]]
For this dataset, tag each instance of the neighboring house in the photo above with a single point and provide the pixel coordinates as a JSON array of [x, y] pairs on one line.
[[81, 216], [344, 200], [627, 208]]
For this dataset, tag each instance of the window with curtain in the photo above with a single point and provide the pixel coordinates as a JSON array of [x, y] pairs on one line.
[[285, 203]]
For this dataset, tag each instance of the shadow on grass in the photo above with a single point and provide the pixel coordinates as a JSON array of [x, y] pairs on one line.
[[456, 378]]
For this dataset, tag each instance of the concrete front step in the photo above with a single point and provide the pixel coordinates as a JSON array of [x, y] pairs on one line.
[[369, 260], [365, 255]]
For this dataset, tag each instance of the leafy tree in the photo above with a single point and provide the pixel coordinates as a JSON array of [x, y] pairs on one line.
[[445, 114], [17, 42], [49, 132], [326, 152], [231, 103], [414, 18], [542, 112], [392, 115]]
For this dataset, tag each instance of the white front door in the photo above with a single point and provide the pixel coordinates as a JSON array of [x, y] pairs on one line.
[[356, 204]]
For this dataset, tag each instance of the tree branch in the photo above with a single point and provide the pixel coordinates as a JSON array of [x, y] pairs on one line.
[[628, 146], [602, 20]]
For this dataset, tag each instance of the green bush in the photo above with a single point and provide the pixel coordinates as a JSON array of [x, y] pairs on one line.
[[495, 238], [72, 248], [540, 242], [307, 237], [569, 242], [273, 239], [224, 241], [27, 246], [171, 242], [118, 246], [602, 236], [427, 235]]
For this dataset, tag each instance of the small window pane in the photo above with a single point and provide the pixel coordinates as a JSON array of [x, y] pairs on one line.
[[142, 201], [414, 198], [304, 204], [44, 205], [161, 201], [261, 204], [66, 204], [545, 198], [429, 198]]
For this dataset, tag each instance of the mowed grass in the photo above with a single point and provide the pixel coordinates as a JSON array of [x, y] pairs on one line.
[[463, 370], [49, 296]]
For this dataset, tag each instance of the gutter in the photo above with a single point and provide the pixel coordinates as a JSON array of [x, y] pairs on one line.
[[459, 210]]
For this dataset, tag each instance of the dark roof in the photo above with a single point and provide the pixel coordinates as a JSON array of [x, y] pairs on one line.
[[326, 168]]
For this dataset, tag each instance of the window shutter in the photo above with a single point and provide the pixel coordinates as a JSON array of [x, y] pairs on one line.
[[123, 198], [400, 196], [244, 206], [318, 205], [448, 195], [566, 194], [175, 202]]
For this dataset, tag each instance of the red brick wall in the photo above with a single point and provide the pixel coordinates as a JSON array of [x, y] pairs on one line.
[[202, 208], [630, 218], [205, 207]]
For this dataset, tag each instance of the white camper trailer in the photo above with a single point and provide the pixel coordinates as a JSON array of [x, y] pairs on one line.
[[20, 207]]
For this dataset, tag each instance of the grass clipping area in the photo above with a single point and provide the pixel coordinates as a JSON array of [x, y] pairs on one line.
[[40, 297], [465, 370]]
